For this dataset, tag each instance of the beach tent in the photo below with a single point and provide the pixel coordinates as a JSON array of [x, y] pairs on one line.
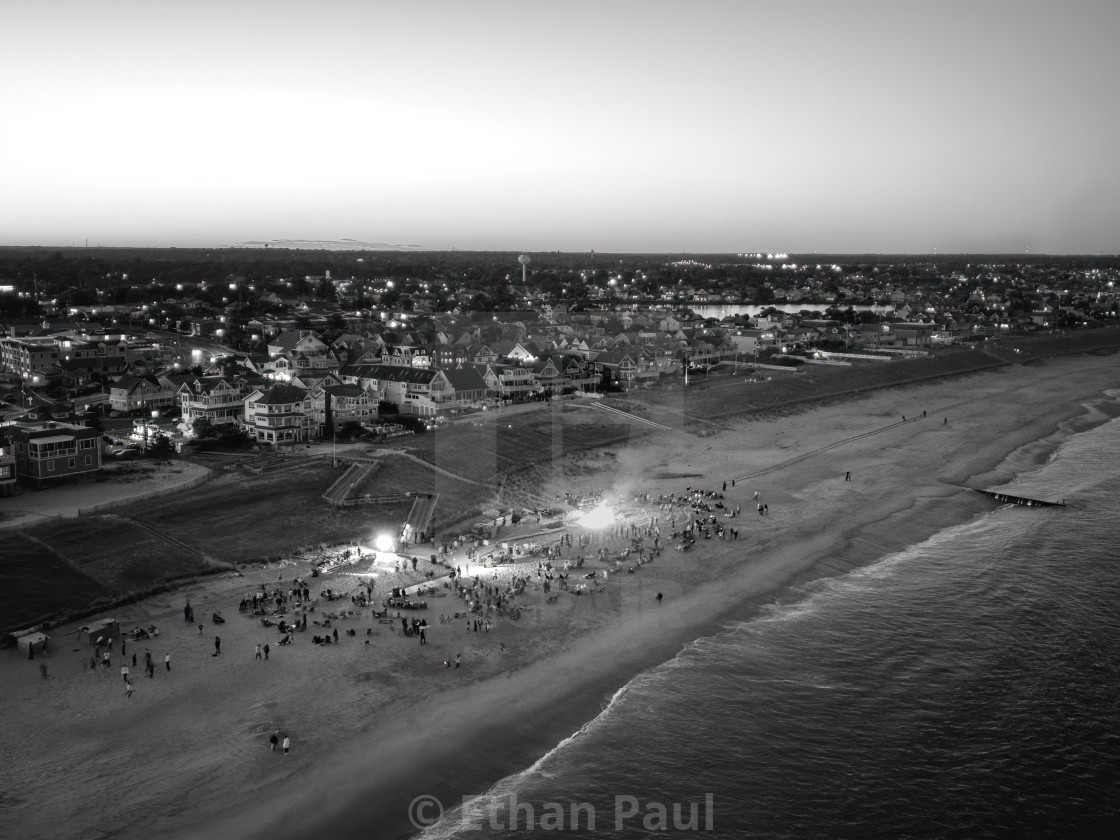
[[106, 628], [32, 642]]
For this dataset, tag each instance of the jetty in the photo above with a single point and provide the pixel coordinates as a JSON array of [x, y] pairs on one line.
[[1008, 498]]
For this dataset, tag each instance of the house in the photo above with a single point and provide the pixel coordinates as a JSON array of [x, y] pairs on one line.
[[278, 414], [515, 381], [619, 364], [142, 393], [413, 390], [914, 334], [748, 341], [547, 373], [26, 356], [50, 451], [7, 466], [335, 406], [218, 399], [303, 343], [468, 382]]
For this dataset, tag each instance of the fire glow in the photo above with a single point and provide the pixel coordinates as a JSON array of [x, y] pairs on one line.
[[598, 517]]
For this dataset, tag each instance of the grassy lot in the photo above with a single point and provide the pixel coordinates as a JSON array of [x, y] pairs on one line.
[[121, 556], [35, 583], [709, 400], [265, 517]]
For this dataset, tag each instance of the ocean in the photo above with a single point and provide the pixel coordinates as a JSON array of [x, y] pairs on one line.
[[965, 687]]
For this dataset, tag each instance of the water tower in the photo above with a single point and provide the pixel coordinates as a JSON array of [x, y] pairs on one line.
[[524, 260]]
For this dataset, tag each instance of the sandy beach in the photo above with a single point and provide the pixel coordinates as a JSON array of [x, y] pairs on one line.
[[374, 725]]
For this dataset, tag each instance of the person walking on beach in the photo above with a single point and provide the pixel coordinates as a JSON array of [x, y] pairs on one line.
[[659, 597], [258, 653], [848, 476], [273, 740], [217, 645], [287, 744], [43, 669], [167, 661], [200, 629], [127, 689], [124, 673], [458, 659], [266, 649]]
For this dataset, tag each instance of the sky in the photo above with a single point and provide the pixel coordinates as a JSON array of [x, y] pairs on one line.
[[841, 126]]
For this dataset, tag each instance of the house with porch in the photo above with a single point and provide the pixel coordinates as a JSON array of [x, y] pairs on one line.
[[335, 406], [218, 399], [278, 414], [50, 452]]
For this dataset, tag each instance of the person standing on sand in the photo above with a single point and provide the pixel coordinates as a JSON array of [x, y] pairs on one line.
[[273, 740], [659, 597], [167, 661], [458, 659], [217, 645], [43, 669], [200, 629]]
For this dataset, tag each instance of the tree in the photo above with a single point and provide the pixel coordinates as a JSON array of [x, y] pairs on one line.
[[160, 446], [201, 427]]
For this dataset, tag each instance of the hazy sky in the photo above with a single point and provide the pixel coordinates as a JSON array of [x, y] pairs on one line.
[[793, 125]]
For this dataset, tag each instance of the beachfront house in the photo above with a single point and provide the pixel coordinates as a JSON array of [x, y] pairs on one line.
[[218, 399], [278, 414], [50, 452], [335, 406]]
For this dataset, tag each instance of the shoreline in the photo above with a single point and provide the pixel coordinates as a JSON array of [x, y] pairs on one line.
[[442, 740], [597, 690]]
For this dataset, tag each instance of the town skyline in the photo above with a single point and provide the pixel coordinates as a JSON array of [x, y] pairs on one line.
[[627, 128]]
